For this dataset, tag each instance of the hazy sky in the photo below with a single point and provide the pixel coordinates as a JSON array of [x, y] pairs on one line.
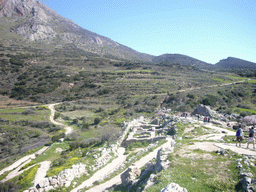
[[208, 30]]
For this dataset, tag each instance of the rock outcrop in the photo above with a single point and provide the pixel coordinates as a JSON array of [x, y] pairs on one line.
[[173, 187], [129, 177], [203, 111], [247, 178], [34, 21], [162, 162]]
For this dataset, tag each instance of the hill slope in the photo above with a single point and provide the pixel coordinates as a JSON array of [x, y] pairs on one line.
[[234, 63], [34, 21], [180, 59]]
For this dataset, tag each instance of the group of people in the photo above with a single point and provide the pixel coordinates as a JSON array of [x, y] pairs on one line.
[[240, 136], [206, 119]]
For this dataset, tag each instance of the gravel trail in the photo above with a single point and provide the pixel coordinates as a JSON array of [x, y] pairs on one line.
[[51, 107], [22, 160], [41, 172], [140, 163]]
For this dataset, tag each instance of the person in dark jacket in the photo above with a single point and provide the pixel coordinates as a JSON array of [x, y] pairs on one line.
[[251, 137]]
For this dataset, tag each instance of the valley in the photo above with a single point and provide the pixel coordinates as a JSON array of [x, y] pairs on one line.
[[81, 112]]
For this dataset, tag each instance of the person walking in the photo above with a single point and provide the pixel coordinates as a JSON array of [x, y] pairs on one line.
[[239, 136], [251, 138]]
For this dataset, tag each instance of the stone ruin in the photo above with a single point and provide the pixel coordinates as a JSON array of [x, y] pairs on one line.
[[63, 179], [129, 177]]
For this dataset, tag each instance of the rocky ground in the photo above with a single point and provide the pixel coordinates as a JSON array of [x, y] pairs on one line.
[[205, 142]]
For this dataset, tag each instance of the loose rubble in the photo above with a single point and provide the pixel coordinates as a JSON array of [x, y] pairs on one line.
[[247, 178], [63, 179]]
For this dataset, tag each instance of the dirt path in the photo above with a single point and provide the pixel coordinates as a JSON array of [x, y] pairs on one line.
[[240, 150], [41, 172], [23, 161], [19, 164], [51, 107], [213, 146], [100, 174], [220, 133], [140, 163]]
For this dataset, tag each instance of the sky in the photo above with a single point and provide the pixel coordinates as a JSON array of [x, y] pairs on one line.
[[208, 30]]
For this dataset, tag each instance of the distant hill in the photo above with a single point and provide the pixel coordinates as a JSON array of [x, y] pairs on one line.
[[180, 59], [35, 22], [31, 25], [232, 63]]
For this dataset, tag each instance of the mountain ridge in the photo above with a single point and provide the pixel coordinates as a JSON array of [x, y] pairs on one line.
[[235, 63], [36, 22], [40, 23]]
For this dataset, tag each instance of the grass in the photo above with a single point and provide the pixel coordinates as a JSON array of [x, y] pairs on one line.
[[239, 110], [133, 71], [24, 181], [57, 170], [221, 80], [232, 139], [16, 114], [218, 173], [50, 154], [252, 81]]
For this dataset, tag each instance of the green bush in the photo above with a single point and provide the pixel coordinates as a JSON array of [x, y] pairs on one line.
[[210, 100], [96, 121]]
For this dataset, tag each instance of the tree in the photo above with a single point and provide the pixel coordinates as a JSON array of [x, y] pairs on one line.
[[108, 133]]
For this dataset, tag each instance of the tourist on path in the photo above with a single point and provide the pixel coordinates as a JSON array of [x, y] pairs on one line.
[[239, 136], [251, 137]]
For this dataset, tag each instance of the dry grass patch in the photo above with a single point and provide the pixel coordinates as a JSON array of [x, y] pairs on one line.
[[6, 102]]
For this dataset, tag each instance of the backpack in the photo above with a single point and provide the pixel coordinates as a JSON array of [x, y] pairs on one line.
[[251, 134], [238, 133]]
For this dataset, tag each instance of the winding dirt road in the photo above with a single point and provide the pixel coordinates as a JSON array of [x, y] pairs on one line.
[[20, 163], [51, 107]]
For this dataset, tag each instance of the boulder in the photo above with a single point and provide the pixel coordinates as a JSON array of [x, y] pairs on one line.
[[67, 183], [43, 183], [173, 187], [130, 175], [53, 182], [155, 122], [203, 110], [48, 188], [246, 181], [32, 189]]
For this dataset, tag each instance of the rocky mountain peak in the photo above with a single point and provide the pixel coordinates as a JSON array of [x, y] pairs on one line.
[[34, 21], [18, 7]]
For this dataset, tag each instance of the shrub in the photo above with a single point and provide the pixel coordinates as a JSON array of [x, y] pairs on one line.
[[85, 126], [96, 121], [56, 138], [86, 143], [191, 96], [58, 162], [185, 108], [74, 145], [75, 121], [210, 100], [56, 115], [28, 111]]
